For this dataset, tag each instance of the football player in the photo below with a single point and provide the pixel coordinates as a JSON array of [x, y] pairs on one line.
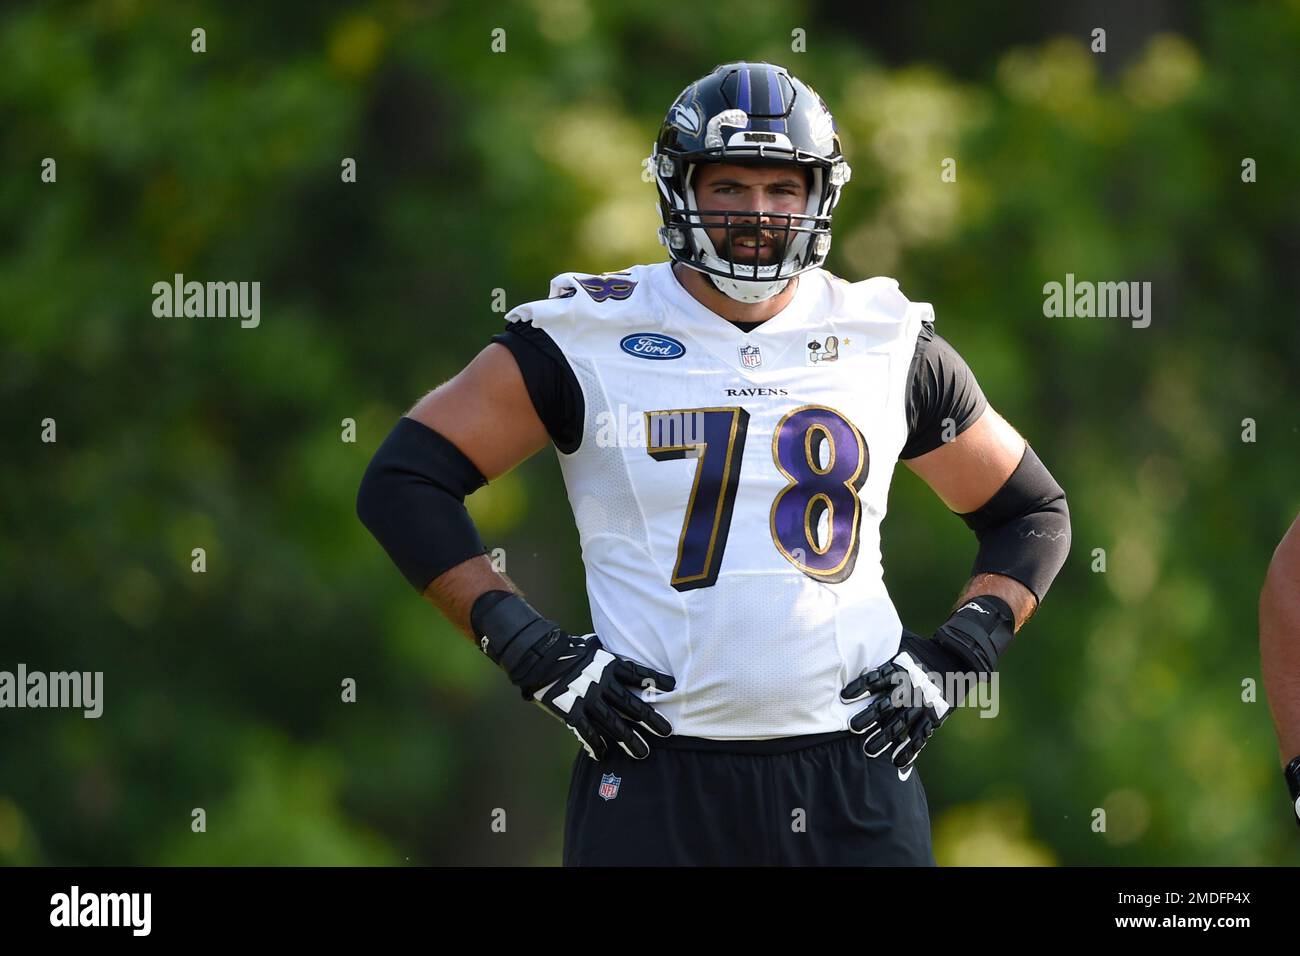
[[727, 424], [1279, 654]]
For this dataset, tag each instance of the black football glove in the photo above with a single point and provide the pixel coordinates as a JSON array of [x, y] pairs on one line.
[[1293, 784], [908, 708], [920, 685], [592, 691]]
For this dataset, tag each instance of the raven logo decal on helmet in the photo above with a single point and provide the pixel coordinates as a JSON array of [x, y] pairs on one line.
[[686, 119], [757, 113]]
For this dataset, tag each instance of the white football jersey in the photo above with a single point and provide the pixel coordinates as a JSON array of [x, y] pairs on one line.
[[729, 489]]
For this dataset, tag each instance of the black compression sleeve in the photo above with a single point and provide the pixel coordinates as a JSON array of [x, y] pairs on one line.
[[551, 384], [412, 500], [942, 388], [1024, 529]]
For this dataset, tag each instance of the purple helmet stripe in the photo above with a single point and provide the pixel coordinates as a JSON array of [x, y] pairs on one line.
[[761, 95], [775, 103], [742, 90], [779, 106]]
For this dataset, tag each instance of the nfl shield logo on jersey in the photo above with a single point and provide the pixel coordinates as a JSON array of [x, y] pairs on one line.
[[750, 356], [609, 786]]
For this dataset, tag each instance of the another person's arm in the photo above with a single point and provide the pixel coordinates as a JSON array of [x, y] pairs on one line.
[[1279, 653]]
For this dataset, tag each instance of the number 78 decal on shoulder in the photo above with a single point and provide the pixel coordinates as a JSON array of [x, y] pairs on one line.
[[715, 438]]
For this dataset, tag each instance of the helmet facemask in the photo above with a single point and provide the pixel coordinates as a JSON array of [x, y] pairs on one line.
[[734, 271]]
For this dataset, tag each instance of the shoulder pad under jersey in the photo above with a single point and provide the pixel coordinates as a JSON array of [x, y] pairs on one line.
[[878, 301]]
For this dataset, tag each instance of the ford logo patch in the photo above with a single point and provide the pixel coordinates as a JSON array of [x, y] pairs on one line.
[[648, 345]]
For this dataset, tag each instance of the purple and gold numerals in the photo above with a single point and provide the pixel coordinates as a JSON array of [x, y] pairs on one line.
[[815, 518], [715, 438]]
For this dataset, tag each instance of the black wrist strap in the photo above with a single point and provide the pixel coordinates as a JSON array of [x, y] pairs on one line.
[[930, 654], [979, 632], [512, 634]]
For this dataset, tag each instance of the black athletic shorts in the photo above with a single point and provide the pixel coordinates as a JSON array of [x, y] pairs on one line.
[[793, 801]]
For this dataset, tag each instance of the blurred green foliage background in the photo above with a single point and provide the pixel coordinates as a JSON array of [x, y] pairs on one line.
[[480, 171]]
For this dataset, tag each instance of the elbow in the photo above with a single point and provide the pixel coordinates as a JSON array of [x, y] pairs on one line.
[[372, 497], [1060, 507], [411, 499], [1024, 529]]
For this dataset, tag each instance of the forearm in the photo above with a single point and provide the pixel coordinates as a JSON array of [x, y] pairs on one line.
[[1020, 598], [455, 591]]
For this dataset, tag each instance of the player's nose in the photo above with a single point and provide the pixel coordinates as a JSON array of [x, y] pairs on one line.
[[760, 206], [759, 215]]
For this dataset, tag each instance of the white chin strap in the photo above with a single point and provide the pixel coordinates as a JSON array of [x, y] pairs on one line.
[[747, 291]]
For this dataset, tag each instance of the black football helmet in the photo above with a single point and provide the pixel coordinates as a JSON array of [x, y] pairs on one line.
[[748, 113]]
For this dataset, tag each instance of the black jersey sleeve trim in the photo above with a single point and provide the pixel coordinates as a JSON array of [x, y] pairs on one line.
[[550, 380], [941, 387]]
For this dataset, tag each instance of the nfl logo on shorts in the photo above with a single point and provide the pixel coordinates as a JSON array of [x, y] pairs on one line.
[[609, 786]]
